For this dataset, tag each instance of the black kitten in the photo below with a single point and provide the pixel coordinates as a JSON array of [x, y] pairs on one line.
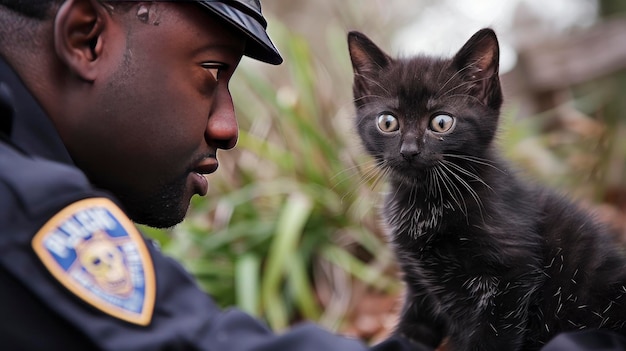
[[490, 262]]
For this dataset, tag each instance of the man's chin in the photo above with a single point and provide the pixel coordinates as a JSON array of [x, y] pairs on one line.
[[157, 215], [164, 210], [167, 220]]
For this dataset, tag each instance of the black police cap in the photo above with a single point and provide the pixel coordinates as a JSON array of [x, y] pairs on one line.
[[246, 16]]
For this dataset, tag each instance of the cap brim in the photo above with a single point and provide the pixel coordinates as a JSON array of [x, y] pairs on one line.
[[259, 46]]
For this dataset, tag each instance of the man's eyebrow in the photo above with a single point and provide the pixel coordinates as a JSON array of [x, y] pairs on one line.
[[219, 47]]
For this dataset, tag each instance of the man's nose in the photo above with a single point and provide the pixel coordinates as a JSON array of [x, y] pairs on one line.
[[222, 129]]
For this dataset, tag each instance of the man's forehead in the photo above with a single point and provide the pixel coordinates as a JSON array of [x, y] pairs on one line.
[[246, 18]]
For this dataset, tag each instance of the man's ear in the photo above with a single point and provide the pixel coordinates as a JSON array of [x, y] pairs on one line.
[[78, 29]]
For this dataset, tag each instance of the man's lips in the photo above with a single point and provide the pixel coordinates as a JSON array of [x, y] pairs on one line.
[[205, 166]]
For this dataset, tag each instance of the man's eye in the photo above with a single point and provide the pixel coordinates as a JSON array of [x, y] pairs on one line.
[[215, 69]]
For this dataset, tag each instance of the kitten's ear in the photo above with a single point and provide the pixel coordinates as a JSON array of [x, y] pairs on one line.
[[367, 60], [366, 57], [478, 62]]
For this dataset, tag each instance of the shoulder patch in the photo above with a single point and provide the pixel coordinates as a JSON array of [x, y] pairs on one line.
[[96, 252]]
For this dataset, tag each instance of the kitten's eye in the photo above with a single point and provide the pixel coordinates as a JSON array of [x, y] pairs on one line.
[[441, 123], [388, 123]]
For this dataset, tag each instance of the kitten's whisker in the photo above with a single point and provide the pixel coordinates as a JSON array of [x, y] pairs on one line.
[[465, 83], [364, 177], [430, 183], [449, 172], [367, 96], [463, 95], [357, 167], [439, 188], [467, 173], [373, 169], [447, 181], [467, 186], [450, 79], [374, 175], [436, 188], [456, 87], [380, 176], [368, 172], [477, 160], [397, 190]]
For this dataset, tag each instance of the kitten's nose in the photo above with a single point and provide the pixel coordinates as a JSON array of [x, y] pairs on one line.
[[409, 150]]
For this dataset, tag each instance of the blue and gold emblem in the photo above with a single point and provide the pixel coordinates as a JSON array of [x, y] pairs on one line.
[[96, 252]]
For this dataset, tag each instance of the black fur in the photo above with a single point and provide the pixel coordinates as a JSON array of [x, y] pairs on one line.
[[490, 262]]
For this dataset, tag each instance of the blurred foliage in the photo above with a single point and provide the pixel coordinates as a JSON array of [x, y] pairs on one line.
[[578, 147], [567, 147], [288, 215]]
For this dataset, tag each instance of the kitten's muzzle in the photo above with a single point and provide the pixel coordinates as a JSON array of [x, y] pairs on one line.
[[410, 151]]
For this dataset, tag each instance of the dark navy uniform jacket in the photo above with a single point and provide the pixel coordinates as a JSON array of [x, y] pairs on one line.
[[75, 274]]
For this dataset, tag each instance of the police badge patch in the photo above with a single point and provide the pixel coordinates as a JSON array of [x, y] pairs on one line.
[[96, 252]]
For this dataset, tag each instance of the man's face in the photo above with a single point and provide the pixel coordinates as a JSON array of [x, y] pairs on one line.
[[159, 111]]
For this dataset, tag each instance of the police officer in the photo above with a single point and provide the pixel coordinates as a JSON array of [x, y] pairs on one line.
[[110, 112]]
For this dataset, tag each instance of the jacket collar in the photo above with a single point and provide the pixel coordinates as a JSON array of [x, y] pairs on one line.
[[23, 121]]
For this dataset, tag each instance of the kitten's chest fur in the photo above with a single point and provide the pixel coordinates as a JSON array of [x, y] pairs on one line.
[[444, 248], [436, 256], [414, 215]]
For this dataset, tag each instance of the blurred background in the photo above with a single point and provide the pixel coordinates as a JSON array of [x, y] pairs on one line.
[[290, 232]]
